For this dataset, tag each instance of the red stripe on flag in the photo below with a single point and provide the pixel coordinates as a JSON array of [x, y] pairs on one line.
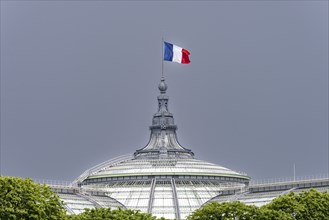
[[185, 58]]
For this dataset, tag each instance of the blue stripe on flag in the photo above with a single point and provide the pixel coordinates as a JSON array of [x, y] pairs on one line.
[[168, 51]]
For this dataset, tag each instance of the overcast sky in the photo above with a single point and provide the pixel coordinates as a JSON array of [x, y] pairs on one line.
[[79, 83]]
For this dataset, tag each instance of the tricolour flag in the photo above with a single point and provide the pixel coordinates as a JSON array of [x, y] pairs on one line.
[[175, 53]]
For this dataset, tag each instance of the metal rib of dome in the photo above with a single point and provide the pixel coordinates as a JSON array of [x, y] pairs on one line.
[[163, 178]]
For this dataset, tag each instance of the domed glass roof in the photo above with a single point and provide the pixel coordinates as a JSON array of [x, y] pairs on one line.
[[162, 178]]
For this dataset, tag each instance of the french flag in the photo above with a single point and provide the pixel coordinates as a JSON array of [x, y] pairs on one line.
[[175, 53]]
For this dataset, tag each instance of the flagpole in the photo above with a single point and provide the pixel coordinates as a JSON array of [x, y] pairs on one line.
[[294, 172], [162, 55]]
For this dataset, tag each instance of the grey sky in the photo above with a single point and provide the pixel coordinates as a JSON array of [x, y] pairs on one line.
[[79, 83]]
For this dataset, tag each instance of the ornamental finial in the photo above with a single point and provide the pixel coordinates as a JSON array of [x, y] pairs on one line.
[[163, 86]]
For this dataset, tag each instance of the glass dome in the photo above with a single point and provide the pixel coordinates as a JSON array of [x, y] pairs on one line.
[[163, 178]]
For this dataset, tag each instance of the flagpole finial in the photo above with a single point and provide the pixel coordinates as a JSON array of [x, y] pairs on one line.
[[162, 86]]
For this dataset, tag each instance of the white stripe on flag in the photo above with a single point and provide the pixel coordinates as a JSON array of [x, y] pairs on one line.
[[177, 54]]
